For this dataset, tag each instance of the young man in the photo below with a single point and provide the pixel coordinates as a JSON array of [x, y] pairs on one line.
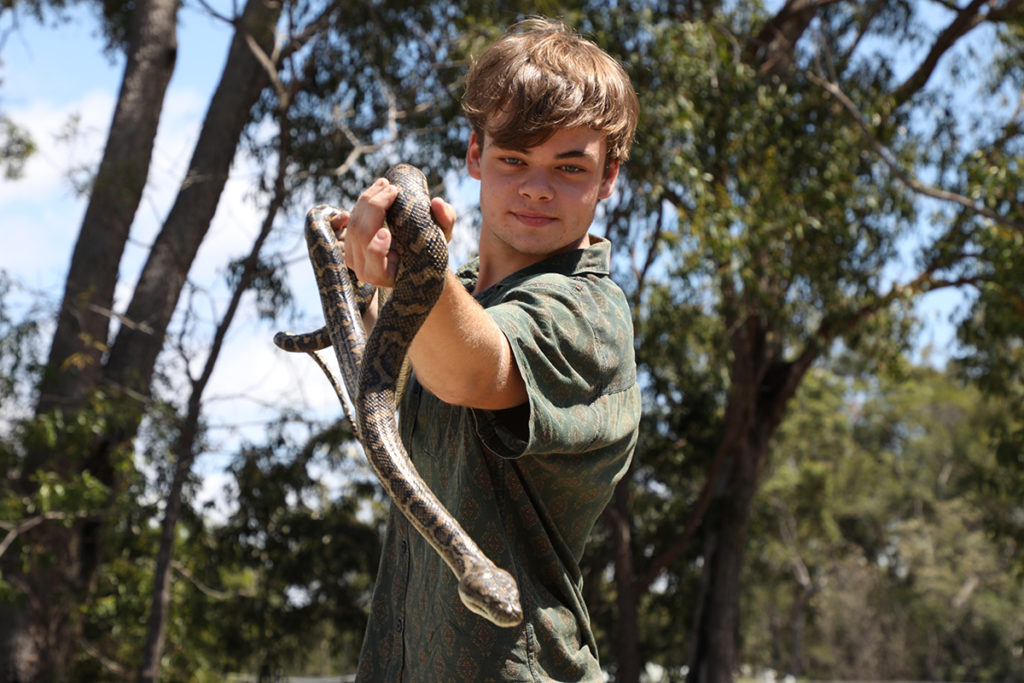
[[523, 410]]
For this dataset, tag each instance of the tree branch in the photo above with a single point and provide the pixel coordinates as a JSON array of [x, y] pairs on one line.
[[899, 172], [207, 590], [15, 529], [106, 662], [776, 41], [966, 20]]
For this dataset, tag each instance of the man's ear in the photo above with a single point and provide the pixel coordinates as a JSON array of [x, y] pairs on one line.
[[611, 174], [473, 156]]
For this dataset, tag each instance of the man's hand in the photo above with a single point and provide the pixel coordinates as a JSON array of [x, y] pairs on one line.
[[368, 248], [457, 327]]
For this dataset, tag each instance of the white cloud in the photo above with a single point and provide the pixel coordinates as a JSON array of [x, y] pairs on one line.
[[40, 213]]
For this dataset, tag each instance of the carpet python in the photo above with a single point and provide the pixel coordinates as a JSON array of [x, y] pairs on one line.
[[374, 365]]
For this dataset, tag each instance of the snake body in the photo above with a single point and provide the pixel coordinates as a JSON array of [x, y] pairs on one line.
[[374, 366]]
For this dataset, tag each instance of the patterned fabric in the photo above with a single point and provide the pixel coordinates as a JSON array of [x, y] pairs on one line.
[[527, 484]]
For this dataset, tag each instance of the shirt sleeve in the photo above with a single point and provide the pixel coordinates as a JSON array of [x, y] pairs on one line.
[[572, 339]]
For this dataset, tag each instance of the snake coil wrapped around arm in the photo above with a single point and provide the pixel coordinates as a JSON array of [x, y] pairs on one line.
[[373, 365]]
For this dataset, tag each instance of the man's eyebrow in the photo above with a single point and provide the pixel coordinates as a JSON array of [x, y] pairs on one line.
[[567, 154], [573, 154]]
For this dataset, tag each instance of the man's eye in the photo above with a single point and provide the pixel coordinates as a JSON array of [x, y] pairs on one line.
[[572, 169], [511, 161]]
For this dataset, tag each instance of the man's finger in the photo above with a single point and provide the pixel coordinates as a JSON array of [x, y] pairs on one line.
[[444, 214], [339, 221]]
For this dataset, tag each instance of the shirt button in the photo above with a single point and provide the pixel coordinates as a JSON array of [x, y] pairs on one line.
[[398, 625], [402, 547]]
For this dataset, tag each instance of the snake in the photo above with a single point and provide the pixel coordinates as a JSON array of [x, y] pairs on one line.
[[373, 365]]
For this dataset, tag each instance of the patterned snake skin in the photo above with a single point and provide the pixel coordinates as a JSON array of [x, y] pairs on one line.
[[374, 366]]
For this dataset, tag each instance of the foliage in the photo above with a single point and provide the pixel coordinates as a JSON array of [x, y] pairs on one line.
[[299, 562], [870, 542], [992, 357], [282, 579], [374, 86], [16, 146], [20, 357], [292, 566], [272, 293]]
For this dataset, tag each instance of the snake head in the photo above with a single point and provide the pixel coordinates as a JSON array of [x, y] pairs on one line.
[[492, 593]]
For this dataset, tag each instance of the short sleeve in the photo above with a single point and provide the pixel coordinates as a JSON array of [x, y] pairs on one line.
[[572, 339]]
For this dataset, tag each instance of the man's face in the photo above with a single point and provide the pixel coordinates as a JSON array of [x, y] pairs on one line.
[[541, 201]]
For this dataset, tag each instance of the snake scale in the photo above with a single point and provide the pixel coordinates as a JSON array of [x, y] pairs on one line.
[[374, 365]]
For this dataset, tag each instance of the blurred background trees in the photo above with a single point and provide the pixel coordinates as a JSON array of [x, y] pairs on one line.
[[808, 496]]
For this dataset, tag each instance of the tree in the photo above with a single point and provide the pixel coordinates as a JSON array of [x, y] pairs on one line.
[[780, 174], [870, 541], [80, 361]]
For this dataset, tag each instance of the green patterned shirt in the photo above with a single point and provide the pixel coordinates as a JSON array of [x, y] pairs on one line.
[[527, 484]]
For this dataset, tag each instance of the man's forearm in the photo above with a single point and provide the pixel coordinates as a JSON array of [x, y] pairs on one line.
[[462, 357]]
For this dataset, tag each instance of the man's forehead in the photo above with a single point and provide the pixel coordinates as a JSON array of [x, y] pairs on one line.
[[562, 143]]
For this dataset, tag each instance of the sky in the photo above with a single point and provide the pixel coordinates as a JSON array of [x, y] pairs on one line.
[[55, 79]]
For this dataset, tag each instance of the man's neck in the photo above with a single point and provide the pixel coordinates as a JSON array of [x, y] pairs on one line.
[[495, 269]]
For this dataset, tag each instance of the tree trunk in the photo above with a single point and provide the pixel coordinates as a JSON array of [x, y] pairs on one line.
[[38, 635], [714, 651], [627, 649], [762, 385], [74, 365], [161, 597], [134, 352]]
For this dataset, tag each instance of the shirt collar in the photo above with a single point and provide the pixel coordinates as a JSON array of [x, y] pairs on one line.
[[595, 259]]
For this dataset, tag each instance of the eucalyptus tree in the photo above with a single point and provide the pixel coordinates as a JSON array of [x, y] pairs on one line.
[[870, 538], [803, 175]]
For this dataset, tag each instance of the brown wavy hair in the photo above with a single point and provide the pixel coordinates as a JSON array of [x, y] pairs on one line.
[[541, 77]]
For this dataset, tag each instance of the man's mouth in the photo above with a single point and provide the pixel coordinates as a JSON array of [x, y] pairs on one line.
[[532, 219]]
